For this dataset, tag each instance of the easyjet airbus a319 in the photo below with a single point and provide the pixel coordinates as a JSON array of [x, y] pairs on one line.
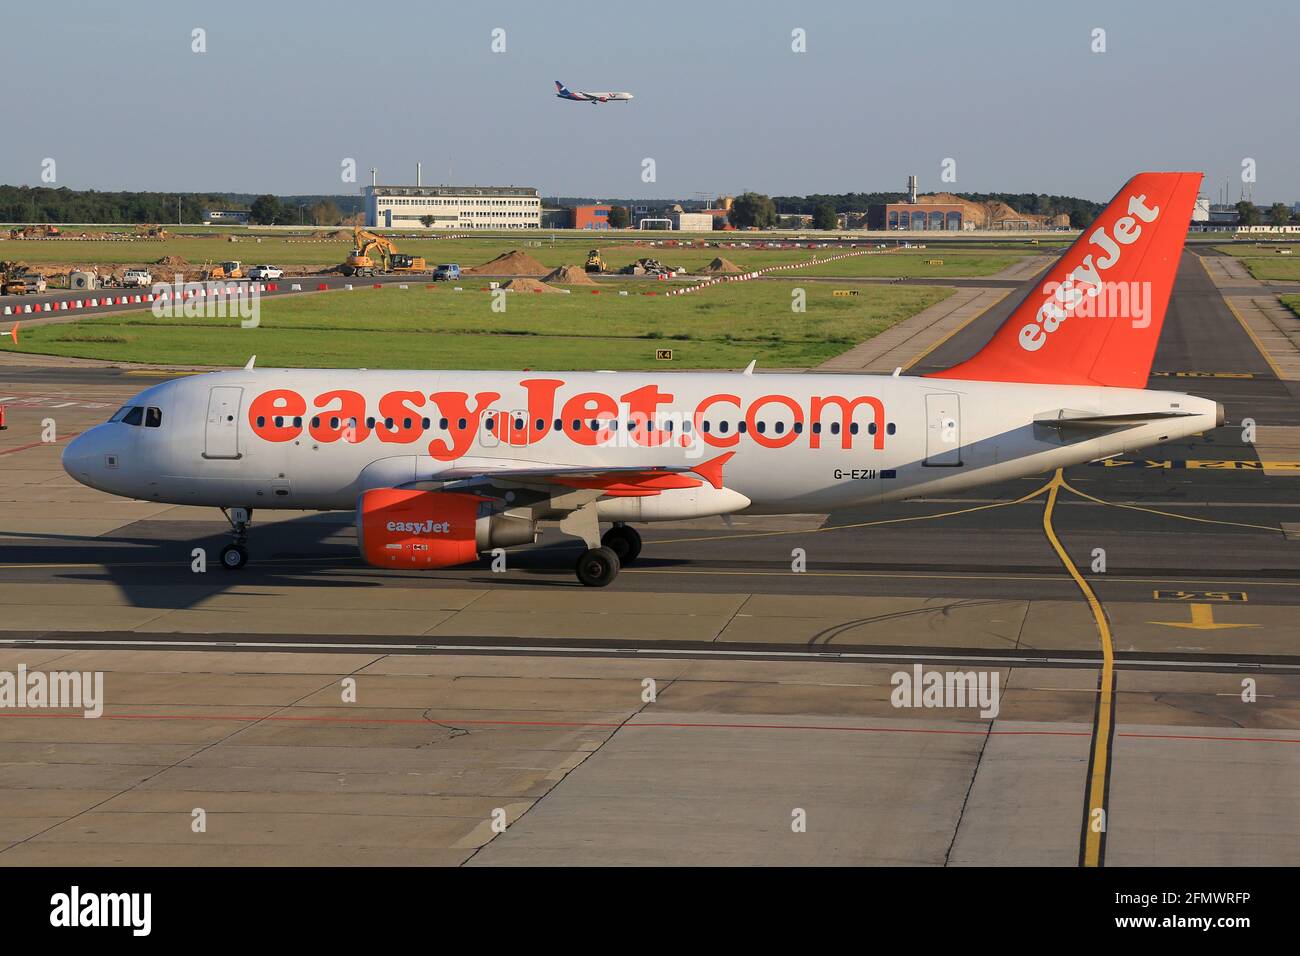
[[443, 466]]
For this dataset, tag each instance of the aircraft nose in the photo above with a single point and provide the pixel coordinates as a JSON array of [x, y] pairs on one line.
[[83, 458]]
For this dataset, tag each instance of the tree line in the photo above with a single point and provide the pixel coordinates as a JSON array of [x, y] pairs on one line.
[[1278, 214], [43, 204]]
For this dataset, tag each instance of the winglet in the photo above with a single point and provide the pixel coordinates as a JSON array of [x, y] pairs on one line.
[[711, 470], [749, 369], [251, 360]]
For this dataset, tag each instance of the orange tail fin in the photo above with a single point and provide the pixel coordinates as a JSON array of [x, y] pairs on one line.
[[1096, 317]]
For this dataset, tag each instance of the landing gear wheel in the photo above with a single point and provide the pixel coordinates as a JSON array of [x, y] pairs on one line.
[[624, 542], [234, 557], [597, 567]]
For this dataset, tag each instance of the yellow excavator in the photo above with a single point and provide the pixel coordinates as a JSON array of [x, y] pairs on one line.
[[360, 263], [594, 262]]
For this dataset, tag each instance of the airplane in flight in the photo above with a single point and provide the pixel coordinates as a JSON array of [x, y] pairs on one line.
[[564, 93], [443, 466]]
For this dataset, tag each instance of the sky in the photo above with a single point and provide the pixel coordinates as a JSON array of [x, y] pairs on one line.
[[1012, 92]]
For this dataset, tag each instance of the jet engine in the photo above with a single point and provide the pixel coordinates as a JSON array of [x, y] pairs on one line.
[[397, 528]]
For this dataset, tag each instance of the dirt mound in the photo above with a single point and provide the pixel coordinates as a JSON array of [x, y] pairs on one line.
[[512, 263], [569, 275], [528, 285], [172, 262], [720, 265]]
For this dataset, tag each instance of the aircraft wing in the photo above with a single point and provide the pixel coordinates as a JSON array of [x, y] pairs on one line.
[[615, 481]]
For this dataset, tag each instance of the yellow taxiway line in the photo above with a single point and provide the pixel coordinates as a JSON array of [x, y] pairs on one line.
[[1103, 727], [1254, 338]]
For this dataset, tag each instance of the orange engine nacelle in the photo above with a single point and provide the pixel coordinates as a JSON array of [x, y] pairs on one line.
[[397, 528], [417, 529]]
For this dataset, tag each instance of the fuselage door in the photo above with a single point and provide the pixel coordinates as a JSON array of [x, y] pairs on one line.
[[942, 430], [221, 439]]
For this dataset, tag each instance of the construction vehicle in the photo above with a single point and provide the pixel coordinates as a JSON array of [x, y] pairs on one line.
[[594, 262], [646, 267], [35, 232], [231, 269], [20, 280], [360, 263], [363, 243], [402, 263]]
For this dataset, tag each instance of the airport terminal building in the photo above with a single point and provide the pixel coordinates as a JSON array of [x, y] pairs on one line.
[[453, 207]]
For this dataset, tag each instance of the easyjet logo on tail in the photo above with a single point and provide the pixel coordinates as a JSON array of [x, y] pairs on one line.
[[1086, 280]]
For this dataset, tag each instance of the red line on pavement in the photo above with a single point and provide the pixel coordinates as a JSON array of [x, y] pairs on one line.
[[38, 444]]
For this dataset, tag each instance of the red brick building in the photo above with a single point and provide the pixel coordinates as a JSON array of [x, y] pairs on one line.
[[591, 217], [914, 216]]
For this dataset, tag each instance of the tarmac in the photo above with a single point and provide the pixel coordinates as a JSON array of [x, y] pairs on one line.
[[716, 705]]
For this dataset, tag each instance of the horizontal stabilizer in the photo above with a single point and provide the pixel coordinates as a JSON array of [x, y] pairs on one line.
[[1067, 418]]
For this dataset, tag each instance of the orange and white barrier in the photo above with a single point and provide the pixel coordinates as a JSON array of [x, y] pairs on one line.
[[759, 273]]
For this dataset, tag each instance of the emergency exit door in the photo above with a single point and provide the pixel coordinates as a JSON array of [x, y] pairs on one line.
[[942, 430], [222, 435]]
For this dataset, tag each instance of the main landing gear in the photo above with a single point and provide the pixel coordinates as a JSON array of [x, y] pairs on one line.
[[600, 563], [597, 567], [619, 547], [624, 542], [235, 555]]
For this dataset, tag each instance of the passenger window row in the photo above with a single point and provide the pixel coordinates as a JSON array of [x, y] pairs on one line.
[[577, 425]]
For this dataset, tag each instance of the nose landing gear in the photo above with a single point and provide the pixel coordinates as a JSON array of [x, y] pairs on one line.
[[235, 555]]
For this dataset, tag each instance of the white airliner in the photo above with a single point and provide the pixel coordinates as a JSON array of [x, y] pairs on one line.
[[582, 96], [443, 466]]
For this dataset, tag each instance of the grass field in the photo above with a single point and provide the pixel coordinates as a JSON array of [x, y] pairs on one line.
[[910, 264], [299, 252], [722, 327], [1292, 302], [1265, 263]]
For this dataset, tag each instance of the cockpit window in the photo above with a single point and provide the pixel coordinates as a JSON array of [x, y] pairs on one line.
[[138, 415]]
